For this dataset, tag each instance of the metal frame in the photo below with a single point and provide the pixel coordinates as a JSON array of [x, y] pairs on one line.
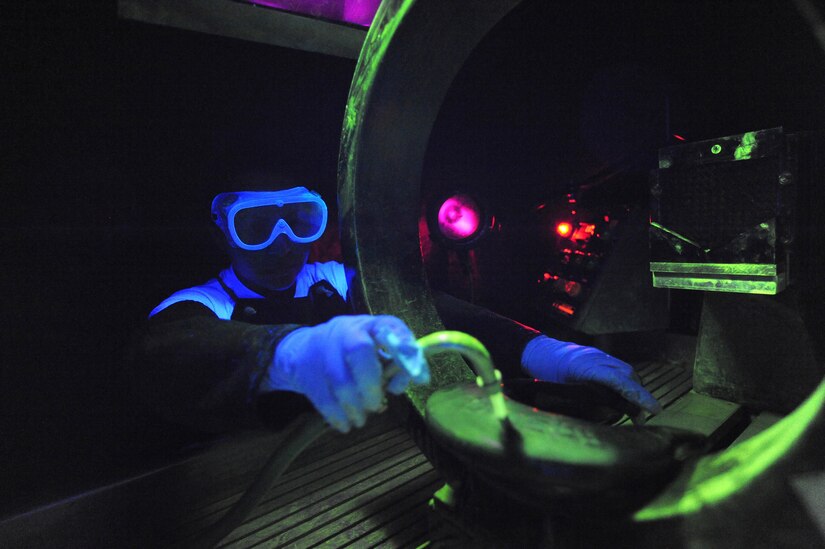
[[248, 22], [412, 52]]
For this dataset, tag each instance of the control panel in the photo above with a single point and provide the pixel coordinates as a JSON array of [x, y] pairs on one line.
[[578, 241]]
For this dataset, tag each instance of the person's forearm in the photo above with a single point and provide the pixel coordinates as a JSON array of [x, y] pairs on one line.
[[504, 338], [203, 372]]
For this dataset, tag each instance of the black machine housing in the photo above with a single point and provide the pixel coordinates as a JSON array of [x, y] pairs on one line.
[[724, 212]]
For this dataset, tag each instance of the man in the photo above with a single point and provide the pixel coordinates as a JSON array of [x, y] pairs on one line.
[[273, 334]]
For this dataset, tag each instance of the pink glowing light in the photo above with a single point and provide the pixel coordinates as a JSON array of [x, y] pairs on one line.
[[459, 217], [360, 12], [357, 12]]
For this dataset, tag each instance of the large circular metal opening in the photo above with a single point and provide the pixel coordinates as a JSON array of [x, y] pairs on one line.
[[413, 52]]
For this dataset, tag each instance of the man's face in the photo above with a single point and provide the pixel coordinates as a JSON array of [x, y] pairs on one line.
[[273, 268], [268, 233]]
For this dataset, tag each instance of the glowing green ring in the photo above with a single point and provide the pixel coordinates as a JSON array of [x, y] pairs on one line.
[[716, 149]]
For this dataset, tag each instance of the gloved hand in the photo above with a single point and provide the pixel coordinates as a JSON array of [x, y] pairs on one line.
[[558, 361], [337, 365]]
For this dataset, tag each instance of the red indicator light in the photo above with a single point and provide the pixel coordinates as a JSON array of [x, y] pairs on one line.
[[572, 288], [679, 137], [564, 308], [564, 229], [584, 231]]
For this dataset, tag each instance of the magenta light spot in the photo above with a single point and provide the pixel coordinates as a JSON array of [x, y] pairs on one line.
[[360, 12], [459, 217], [357, 12]]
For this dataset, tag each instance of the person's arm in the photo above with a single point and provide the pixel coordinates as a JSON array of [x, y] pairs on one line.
[[197, 370], [211, 374], [517, 349], [503, 337]]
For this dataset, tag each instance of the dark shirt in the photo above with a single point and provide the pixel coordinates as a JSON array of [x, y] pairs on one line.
[[198, 370]]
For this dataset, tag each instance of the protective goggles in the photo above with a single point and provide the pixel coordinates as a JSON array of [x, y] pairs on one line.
[[255, 219]]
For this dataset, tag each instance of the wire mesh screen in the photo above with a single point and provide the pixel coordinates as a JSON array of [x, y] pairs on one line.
[[713, 203]]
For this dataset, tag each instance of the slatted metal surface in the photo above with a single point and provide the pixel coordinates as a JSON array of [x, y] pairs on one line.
[[367, 489], [667, 381], [372, 493]]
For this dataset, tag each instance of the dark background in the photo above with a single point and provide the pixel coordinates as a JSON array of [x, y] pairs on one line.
[[579, 96], [117, 134]]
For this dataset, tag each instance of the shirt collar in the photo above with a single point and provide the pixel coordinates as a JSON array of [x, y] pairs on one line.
[[234, 283]]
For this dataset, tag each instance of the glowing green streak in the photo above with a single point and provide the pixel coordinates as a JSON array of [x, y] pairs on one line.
[[372, 53], [677, 235], [743, 151], [719, 476]]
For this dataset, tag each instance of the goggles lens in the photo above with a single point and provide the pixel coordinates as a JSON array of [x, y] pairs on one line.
[[254, 225], [255, 219]]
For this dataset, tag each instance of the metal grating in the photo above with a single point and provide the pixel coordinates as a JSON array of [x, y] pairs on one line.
[[368, 494], [667, 381], [714, 203], [371, 494], [369, 488]]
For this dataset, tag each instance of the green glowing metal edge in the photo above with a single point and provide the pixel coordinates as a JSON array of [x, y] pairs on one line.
[[385, 25], [719, 476], [677, 235], [751, 269], [743, 278], [728, 285], [372, 53]]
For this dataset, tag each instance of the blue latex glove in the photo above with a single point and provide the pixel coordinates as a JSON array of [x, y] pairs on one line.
[[558, 361], [338, 366]]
